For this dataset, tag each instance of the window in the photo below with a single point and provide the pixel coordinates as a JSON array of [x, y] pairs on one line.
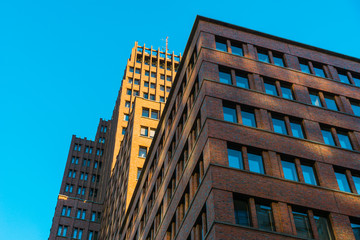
[[278, 60], [308, 174], [96, 164], [265, 217], [287, 92], [225, 75], [296, 170], [317, 69], [342, 182], [287, 126], [154, 114], [162, 76], [145, 112], [277, 88], [66, 211], [146, 84], [123, 131], [136, 93], [152, 97], [131, 69], [355, 225], [236, 48], [147, 73], [128, 92], [296, 129], [248, 117], [221, 44], [229, 113], [289, 170], [144, 131], [77, 233], [355, 107], [69, 188], [81, 213], [75, 160], [242, 79], [356, 79], [342, 139], [168, 78], [162, 88], [330, 102], [127, 104], [162, 99], [137, 82], [315, 99], [168, 89], [323, 227], [343, 77], [93, 216], [304, 66], [279, 125], [142, 152], [62, 230], [263, 55], [138, 173], [152, 85], [254, 157], [126, 117], [270, 88], [152, 132], [77, 147], [302, 225], [137, 70], [146, 95], [242, 216]]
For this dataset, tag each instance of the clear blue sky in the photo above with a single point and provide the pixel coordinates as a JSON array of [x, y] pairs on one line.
[[61, 63]]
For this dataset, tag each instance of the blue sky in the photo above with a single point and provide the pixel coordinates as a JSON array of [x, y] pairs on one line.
[[61, 63]]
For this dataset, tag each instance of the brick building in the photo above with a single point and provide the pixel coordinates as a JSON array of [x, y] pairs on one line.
[[79, 206], [259, 139]]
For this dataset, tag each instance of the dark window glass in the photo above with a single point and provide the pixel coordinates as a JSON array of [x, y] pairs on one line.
[[357, 183], [137, 70], [152, 85], [248, 118], [241, 212], [287, 92], [330, 103], [145, 112], [265, 217], [356, 229], [344, 140], [309, 175], [296, 129], [154, 114], [328, 138], [142, 152], [319, 71], [323, 227], [278, 60], [225, 76], [315, 99], [237, 49], [152, 97], [221, 44], [279, 126], [137, 82], [356, 108], [263, 56], [289, 170], [302, 224], [343, 182], [242, 80], [304, 67], [128, 91], [235, 158], [343, 77], [146, 95], [270, 88], [230, 114], [255, 163]]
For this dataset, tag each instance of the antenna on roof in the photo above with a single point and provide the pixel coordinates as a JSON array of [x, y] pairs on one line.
[[167, 42]]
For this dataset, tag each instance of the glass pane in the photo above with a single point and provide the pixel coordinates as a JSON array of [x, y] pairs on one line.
[[265, 218], [309, 175], [225, 77], [330, 103], [278, 61], [287, 93], [357, 183], [342, 181], [304, 68], [319, 72], [356, 229], [296, 130], [279, 126], [237, 50], [248, 118], [270, 88], [328, 138], [242, 80], [289, 170], [241, 212], [255, 163], [235, 158], [315, 99], [230, 114], [344, 78], [263, 57], [221, 45], [356, 108], [344, 141], [302, 224], [145, 112], [323, 227], [356, 81]]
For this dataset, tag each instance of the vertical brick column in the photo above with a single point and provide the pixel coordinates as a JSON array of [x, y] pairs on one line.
[[208, 71], [292, 61], [302, 94], [341, 226], [313, 131], [326, 175], [206, 40], [215, 151], [223, 206]]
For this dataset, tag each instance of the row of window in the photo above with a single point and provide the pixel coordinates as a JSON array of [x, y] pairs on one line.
[[281, 89], [277, 58], [144, 131], [285, 125], [99, 152], [81, 214], [81, 190], [103, 129], [86, 162], [155, 53], [146, 83], [77, 233], [84, 176], [102, 140]]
